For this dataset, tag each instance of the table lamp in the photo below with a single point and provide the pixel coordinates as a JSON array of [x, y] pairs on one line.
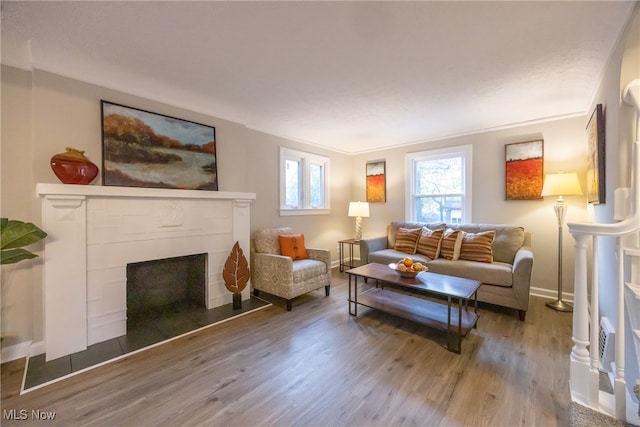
[[359, 210]]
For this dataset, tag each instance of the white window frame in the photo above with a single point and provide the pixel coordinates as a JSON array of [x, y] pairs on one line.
[[464, 151], [306, 160]]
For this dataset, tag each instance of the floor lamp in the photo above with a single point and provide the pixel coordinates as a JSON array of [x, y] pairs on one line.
[[359, 210], [560, 184]]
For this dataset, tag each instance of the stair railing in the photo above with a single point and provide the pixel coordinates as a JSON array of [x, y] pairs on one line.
[[584, 376]]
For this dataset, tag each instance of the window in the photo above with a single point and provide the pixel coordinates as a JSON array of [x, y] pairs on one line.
[[439, 185], [304, 183]]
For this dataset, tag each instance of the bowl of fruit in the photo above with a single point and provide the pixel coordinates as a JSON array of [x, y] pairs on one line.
[[406, 267]]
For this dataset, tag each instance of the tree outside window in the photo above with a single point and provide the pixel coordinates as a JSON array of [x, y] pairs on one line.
[[440, 185]]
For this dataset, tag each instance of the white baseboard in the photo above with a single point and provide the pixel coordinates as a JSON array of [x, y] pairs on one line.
[[15, 352], [550, 294], [633, 410], [37, 348], [20, 350]]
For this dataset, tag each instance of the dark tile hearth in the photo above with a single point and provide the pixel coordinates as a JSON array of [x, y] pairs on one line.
[[142, 332]]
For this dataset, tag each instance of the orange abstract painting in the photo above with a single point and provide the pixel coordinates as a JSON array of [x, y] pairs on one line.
[[524, 170], [376, 182]]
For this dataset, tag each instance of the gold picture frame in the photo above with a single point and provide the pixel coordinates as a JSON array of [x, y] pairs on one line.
[[596, 190]]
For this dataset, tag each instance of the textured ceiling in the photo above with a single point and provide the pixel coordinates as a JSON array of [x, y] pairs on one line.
[[348, 76]]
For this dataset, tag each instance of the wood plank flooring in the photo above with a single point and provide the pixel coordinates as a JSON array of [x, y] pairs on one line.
[[318, 366]]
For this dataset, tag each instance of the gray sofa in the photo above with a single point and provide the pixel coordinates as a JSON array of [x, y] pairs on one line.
[[505, 281]]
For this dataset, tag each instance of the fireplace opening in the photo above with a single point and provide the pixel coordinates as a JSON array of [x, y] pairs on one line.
[[160, 285]]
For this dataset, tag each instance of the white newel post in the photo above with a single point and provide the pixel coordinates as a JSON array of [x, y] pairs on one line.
[[65, 274], [594, 392], [620, 385], [579, 366]]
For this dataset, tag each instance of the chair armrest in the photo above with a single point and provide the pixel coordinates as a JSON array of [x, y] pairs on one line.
[[270, 273], [323, 255], [271, 261], [521, 270], [371, 245]]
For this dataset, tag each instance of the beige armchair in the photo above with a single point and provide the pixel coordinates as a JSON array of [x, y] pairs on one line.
[[280, 275]]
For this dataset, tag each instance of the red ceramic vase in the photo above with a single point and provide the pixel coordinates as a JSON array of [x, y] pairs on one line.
[[72, 167]]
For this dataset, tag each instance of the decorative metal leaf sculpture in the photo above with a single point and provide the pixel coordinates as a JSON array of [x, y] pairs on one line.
[[236, 270]]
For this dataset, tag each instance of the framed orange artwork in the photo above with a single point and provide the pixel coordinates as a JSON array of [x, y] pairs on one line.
[[376, 181], [524, 174]]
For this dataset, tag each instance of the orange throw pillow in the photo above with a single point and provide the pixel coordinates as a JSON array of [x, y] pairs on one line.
[[292, 245]]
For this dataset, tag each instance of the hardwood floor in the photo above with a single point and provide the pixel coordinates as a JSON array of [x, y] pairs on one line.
[[318, 366]]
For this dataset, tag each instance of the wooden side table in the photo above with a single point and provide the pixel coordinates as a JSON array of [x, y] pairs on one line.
[[349, 262]]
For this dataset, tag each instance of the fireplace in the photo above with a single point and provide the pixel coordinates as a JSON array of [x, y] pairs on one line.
[[161, 284], [95, 232]]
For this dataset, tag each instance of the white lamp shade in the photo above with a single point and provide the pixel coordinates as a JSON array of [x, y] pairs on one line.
[[561, 184], [359, 209]]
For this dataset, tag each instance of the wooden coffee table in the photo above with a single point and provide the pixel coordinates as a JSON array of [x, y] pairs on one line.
[[454, 318]]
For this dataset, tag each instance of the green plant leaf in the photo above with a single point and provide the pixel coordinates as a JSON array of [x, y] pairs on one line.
[[16, 234], [11, 256]]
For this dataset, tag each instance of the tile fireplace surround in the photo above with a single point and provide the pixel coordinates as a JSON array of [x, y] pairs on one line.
[[95, 231]]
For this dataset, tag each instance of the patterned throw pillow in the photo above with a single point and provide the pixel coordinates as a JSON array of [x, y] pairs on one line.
[[478, 246], [407, 239], [292, 245], [429, 242], [451, 243]]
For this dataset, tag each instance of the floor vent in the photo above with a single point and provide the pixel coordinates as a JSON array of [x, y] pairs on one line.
[[607, 341]]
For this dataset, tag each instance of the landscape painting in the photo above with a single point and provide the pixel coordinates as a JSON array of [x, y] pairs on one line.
[[524, 170], [144, 149]]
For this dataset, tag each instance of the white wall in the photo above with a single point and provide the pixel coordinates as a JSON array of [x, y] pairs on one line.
[[263, 176], [19, 282], [564, 149], [620, 134], [42, 113]]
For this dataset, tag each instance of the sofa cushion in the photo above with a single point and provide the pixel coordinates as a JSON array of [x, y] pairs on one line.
[[392, 229], [506, 243], [477, 246], [496, 273], [292, 245], [387, 256], [407, 239], [429, 242], [266, 240], [451, 243], [306, 269]]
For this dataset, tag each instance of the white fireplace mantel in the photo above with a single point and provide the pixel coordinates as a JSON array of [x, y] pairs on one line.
[[93, 231], [44, 190]]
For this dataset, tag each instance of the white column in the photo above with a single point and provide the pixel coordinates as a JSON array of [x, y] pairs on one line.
[[579, 383], [242, 232], [594, 373], [620, 386], [65, 275]]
